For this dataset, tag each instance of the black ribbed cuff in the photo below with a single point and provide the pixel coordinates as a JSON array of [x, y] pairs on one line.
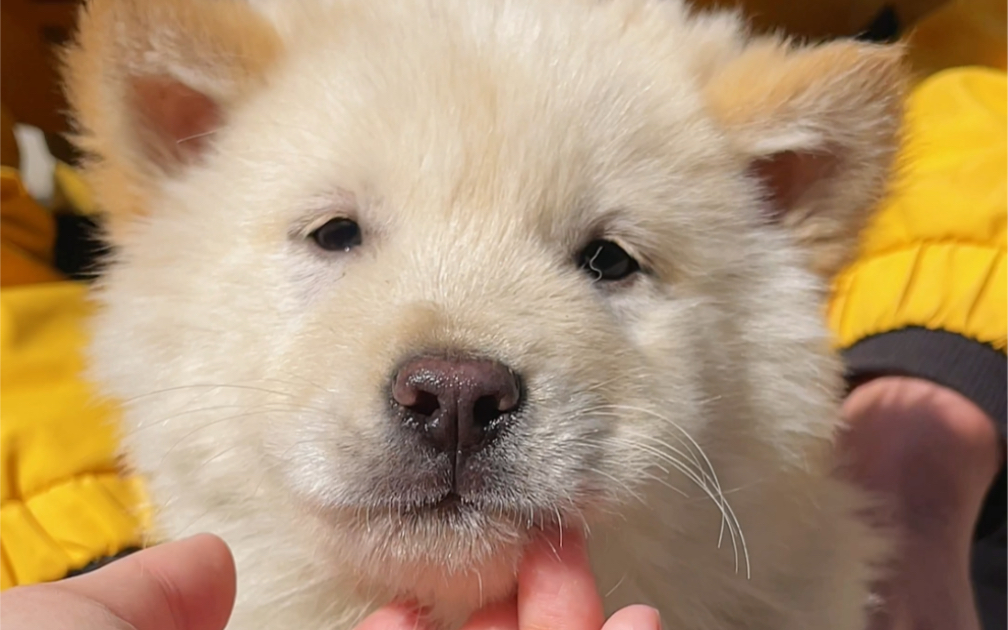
[[974, 369], [98, 563]]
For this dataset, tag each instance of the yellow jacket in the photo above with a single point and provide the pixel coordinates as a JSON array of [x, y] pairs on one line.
[[63, 501], [932, 263], [927, 295]]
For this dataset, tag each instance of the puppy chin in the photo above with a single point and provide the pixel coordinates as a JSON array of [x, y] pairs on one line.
[[451, 564], [452, 597]]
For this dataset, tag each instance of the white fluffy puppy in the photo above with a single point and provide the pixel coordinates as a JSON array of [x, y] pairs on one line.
[[399, 285]]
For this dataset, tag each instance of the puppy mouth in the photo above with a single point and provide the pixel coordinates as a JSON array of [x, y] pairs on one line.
[[449, 504], [455, 510]]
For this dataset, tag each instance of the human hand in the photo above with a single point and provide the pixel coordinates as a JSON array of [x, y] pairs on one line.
[[184, 585], [556, 591], [935, 454]]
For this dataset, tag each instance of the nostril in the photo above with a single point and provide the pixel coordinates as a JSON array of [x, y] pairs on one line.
[[426, 404], [486, 410]]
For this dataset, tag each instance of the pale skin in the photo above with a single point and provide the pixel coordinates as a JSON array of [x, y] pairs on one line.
[[190, 585], [934, 454], [930, 449]]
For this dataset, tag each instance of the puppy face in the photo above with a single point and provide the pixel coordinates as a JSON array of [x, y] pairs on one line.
[[421, 280]]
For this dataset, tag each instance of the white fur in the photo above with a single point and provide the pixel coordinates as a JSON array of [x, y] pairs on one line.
[[480, 144]]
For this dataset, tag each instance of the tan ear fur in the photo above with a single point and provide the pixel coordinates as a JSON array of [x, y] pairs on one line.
[[143, 74], [820, 127]]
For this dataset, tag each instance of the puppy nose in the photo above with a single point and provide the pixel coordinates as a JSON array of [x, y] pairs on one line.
[[458, 404]]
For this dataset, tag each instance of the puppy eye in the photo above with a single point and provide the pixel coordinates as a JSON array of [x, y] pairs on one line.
[[337, 235], [607, 261]]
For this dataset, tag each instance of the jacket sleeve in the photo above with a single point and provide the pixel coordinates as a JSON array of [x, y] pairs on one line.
[[64, 499], [926, 296], [64, 502]]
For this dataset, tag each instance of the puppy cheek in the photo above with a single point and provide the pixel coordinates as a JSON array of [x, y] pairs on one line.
[[667, 337]]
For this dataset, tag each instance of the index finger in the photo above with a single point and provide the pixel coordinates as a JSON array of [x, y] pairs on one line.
[[394, 617], [556, 587]]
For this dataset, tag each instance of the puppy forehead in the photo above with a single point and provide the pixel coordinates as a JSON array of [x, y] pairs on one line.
[[471, 116]]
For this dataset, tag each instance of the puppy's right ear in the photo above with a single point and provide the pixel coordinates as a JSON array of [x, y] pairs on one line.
[[819, 126], [150, 81]]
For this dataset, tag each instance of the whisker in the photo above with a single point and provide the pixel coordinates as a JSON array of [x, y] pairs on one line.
[[701, 478], [692, 476], [211, 386], [197, 136], [269, 407], [692, 457], [616, 586]]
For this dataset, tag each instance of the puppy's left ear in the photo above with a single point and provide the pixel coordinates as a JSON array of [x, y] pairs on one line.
[[150, 82], [819, 127]]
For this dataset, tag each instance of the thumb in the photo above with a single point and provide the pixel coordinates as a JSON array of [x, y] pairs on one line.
[[184, 585]]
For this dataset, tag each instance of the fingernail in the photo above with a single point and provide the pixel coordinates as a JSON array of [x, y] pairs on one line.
[[413, 608], [637, 617], [394, 617]]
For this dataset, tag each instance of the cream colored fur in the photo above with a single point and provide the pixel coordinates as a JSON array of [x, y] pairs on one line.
[[684, 419]]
